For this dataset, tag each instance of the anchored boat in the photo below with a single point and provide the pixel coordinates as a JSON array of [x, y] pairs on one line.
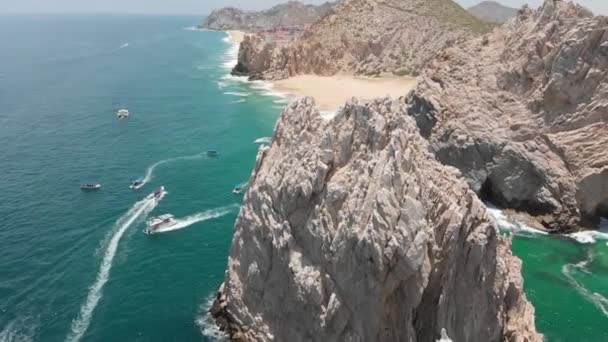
[[157, 223], [122, 114]]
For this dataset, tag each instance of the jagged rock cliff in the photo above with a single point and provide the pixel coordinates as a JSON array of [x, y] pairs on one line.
[[364, 37], [523, 113], [352, 231], [292, 13], [492, 12]]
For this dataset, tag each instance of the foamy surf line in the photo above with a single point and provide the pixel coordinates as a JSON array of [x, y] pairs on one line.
[[206, 324], [231, 57], [506, 223], [196, 218], [81, 323]]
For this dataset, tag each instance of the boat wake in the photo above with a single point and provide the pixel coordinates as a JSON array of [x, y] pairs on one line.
[[569, 271], [18, 330], [206, 324], [137, 212], [150, 171], [263, 140], [203, 216]]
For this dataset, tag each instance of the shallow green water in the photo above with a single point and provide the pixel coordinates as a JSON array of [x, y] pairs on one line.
[[76, 266]]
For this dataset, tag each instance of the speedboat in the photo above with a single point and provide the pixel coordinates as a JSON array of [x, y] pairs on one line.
[[159, 193], [122, 113], [238, 189], [90, 186], [154, 224], [212, 152], [137, 184]]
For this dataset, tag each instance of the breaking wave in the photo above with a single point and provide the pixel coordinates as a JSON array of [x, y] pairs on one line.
[[592, 236], [236, 93], [124, 45], [137, 212], [203, 216], [263, 140], [238, 101], [206, 324], [508, 224], [568, 270]]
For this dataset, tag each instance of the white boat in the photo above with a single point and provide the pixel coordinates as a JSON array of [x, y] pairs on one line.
[[156, 223], [122, 113], [90, 186]]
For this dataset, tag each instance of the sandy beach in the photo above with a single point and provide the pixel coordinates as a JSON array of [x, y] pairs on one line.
[[235, 37], [332, 92]]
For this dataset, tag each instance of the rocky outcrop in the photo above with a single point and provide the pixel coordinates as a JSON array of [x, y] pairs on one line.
[[367, 37], [352, 231], [492, 12], [523, 113], [292, 13]]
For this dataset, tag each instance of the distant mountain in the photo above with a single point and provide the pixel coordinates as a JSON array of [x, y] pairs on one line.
[[292, 13], [492, 12]]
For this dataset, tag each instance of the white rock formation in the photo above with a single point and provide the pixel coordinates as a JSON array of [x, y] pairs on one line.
[[351, 231]]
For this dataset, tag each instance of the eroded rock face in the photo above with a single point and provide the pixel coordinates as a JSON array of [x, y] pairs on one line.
[[292, 13], [368, 37], [352, 231], [523, 113]]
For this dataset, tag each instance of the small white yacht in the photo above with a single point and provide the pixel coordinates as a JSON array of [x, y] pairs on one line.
[[122, 113], [156, 223]]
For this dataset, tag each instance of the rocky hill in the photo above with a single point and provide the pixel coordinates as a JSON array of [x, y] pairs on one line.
[[352, 231], [292, 13], [492, 12], [523, 113], [364, 37]]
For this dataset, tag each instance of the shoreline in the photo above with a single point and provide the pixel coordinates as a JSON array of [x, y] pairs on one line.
[[331, 92], [235, 37]]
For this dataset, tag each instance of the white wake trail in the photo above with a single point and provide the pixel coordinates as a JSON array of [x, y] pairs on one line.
[[81, 323], [594, 298], [203, 216], [150, 171]]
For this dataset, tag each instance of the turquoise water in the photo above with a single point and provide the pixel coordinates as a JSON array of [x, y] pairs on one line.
[[76, 265], [62, 78]]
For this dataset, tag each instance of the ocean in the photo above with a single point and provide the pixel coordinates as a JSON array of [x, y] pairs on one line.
[[76, 266]]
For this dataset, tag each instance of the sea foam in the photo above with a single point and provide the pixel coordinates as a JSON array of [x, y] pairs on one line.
[[137, 212]]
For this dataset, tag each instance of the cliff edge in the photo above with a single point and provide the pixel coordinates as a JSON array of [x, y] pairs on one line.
[[522, 112], [352, 231]]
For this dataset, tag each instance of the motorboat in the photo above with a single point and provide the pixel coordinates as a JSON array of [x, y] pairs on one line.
[[157, 223], [122, 113], [90, 186], [239, 188], [159, 193], [212, 152], [137, 184]]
